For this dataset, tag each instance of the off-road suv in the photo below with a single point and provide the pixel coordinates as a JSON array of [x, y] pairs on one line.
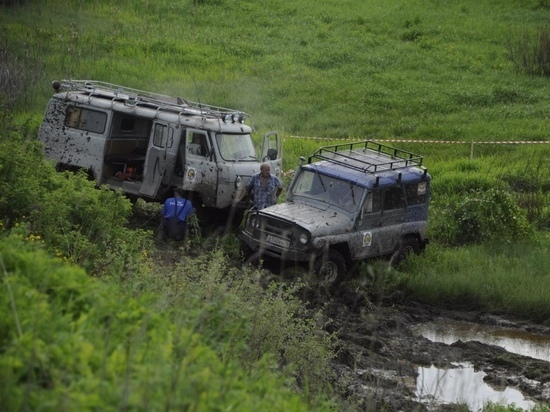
[[347, 203]]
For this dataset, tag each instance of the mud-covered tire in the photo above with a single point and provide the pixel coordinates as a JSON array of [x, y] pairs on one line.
[[408, 246], [330, 268]]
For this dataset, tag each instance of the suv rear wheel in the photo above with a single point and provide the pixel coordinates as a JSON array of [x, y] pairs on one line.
[[408, 246], [330, 268]]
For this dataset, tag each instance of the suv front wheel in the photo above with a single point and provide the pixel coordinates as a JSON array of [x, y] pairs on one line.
[[330, 268]]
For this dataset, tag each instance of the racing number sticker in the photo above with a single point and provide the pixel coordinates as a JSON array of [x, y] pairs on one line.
[[367, 238], [191, 173]]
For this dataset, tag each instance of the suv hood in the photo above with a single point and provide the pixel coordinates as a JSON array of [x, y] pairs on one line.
[[317, 221]]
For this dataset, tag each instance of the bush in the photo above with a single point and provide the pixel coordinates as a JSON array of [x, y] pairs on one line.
[[70, 342], [24, 176], [480, 216], [244, 321]]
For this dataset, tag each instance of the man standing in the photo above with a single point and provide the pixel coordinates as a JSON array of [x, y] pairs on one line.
[[174, 215], [265, 187]]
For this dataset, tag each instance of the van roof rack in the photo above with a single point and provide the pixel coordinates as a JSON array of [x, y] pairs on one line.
[[367, 156], [135, 97]]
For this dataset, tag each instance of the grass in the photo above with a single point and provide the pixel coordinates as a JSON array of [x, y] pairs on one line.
[[505, 278], [374, 69]]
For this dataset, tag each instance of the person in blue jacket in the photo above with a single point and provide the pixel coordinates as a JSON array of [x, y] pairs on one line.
[[174, 215]]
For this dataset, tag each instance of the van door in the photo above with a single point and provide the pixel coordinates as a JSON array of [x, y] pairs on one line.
[[200, 167], [155, 161], [271, 149], [272, 152]]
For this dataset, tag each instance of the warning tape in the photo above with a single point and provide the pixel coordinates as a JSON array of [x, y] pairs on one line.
[[429, 141]]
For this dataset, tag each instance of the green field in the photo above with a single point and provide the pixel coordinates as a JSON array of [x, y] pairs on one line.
[[451, 80]]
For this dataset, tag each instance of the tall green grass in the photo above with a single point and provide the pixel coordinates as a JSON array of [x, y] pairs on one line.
[[509, 278], [426, 69]]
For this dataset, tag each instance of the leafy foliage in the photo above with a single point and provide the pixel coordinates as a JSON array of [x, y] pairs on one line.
[[242, 320], [65, 343], [479, 217]]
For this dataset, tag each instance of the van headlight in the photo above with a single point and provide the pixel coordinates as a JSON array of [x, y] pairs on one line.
[[238, 182]]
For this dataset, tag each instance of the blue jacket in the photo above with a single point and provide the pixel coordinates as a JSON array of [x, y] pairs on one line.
[[179, 207]]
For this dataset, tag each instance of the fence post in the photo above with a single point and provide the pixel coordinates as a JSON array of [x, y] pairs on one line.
[[472, 151]]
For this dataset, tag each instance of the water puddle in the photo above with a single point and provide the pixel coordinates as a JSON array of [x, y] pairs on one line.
[[464, 385], [515, 341]]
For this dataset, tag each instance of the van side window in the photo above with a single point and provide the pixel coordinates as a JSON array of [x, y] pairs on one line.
[[416, 193], [197, 145], [160, 136], [394, 198], [373, 204], [85, 119]]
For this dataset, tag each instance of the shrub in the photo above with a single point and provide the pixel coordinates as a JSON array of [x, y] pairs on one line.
[[24, 176], [242, 320], [480, 216], [71, 342]]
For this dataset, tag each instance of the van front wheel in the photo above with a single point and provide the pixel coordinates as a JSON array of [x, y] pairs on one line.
[[330, 268]]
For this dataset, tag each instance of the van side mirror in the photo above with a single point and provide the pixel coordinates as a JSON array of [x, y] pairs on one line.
[[271, 155]]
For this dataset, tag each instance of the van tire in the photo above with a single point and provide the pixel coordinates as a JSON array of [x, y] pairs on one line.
[[330, 268]]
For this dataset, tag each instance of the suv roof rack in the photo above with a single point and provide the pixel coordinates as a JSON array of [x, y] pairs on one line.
[[359, 156], [134, 97]]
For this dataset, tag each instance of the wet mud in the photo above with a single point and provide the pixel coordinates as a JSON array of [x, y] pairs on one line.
[[382, 360]]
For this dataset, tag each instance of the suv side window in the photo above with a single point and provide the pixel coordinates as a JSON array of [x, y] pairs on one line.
[[416, 193], [373, 203], [394, 198]]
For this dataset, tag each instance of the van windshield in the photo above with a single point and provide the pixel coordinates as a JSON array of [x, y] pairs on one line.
[[337, 192], [236, 147]]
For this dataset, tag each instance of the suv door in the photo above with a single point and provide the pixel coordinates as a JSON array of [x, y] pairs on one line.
[[394, 210], [369, 226], [155, 161]]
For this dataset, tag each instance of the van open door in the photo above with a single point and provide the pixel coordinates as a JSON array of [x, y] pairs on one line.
[[272, 147], [155, 162]]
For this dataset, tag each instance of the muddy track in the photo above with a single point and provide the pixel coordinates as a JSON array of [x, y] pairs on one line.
[[379, 355]]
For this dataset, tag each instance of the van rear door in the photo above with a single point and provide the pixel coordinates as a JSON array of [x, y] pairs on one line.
[[155, 161]]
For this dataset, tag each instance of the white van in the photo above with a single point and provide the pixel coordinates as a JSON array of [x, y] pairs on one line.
[[146, 144]]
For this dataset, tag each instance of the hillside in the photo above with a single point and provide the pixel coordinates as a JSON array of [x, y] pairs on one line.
[[425, 69]]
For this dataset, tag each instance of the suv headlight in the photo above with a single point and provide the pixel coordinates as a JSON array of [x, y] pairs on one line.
[[238, 182], [253, 221], [303, 238]]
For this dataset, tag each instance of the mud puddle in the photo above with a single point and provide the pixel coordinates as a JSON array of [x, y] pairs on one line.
[[463, 384], [521, 342]]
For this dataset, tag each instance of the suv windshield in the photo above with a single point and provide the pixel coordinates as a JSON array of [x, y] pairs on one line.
[[236, 146], [337, 192]]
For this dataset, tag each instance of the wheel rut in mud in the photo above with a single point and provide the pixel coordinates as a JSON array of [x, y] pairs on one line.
[[380, 356]]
